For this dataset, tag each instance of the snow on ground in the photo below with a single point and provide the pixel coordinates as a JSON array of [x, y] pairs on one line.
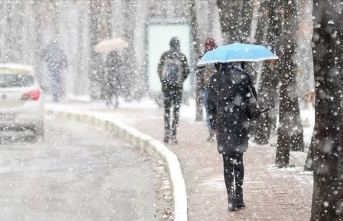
[[187, 112]]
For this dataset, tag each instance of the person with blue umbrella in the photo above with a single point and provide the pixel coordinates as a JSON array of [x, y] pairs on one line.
[[230, 89], [231, 99]]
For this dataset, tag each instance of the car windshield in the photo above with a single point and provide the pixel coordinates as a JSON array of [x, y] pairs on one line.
[[15, 80]]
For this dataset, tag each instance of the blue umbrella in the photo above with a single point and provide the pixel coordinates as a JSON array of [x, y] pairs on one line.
[[237, 52]]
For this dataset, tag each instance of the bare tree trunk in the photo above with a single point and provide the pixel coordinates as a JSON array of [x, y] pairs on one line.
[[95, 61], [326, 168], [197, 53], [261, 38], [16, 20], [339, 60], [55, 17], [308, 67], [309, 159], [7, 34], [290, 131], [38, 42], [246, 18], [210, 29], [235, 19], [129, 74], [79, 68], [268, 33], [340, 149], [304, 49], [2, 31], [229, 13], [108, 19]]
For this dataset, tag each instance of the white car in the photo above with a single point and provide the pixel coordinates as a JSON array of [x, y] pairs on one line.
[[21, 100]]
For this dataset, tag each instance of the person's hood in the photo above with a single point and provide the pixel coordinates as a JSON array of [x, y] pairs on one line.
[[175, 44]]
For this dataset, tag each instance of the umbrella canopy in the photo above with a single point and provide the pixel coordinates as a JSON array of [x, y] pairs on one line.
[[237, 52], [108, 45]]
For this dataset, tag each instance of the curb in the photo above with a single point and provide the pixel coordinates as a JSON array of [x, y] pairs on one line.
[[146, 144]]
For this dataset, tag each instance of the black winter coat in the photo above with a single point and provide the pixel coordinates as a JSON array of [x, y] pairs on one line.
[[227, 102], [113, 70]]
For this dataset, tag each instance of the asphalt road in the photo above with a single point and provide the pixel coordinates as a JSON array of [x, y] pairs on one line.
[[77, 173]]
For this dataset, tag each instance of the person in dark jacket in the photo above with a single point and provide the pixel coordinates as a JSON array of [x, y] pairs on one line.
[[204, 73], [172, 71], [112, 77], [230, 89], [56, 60]]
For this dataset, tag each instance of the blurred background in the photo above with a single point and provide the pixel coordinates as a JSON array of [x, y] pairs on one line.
[[26, 27]]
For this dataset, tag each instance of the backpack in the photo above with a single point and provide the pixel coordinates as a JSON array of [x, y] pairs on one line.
[[172, 70]]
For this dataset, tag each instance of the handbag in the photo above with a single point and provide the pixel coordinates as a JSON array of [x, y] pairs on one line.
[[253, 110]]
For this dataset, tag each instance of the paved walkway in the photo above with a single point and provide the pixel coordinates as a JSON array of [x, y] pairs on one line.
[[269, 193]]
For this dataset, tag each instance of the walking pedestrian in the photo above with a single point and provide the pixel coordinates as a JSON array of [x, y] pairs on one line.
[[229, 94], [205, 73], [112, 77], [56, 60], [172, 71]]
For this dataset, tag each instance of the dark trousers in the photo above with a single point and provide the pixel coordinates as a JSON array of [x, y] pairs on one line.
[[172, 96], [234, 176], [111, 90], [55, 80]]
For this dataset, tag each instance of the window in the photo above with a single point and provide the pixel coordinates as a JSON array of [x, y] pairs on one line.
[[15, 80]]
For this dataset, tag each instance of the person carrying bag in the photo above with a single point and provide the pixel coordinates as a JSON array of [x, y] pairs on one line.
[[232, 105]]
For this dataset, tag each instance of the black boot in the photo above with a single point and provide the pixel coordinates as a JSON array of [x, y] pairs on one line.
[[166, 139], [239, 199], [166, 133], [173, 135], [239, 176], [173, 140], [166, 136], [232, 203], [240, 204]]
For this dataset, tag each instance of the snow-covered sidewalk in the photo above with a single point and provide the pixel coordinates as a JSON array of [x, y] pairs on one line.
[[270, 193]]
